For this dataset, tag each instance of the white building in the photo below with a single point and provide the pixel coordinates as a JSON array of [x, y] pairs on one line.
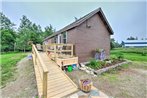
[[135, 43]]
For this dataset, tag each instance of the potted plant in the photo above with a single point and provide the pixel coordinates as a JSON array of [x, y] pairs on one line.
[[85, 85]]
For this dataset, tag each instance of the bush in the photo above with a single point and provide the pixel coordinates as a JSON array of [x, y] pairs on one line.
[[120, 56], [95, 64], [113, 58], [103, 63], [143, 53]]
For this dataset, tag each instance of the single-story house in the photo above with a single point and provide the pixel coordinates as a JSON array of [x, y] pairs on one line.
[[88, 33], [134, 43]]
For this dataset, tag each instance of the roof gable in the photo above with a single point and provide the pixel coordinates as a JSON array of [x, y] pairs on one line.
[[81, 20]]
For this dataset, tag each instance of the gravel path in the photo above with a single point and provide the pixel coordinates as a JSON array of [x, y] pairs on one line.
[[25, 84]]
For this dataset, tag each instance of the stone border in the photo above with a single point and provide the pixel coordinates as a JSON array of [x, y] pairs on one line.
[[100, 71]]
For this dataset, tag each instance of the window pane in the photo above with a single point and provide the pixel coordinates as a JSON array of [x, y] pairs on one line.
[[65, 37]]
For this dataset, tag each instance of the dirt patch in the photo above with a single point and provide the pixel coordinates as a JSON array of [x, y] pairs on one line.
[[123, 83], [25, 84]]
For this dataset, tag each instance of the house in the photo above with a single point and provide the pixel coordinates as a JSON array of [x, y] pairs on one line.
[[88, 33], [134, 43]]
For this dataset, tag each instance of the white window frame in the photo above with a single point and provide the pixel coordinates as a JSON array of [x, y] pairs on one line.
[[64, 38], [59, 40], [56, 39]]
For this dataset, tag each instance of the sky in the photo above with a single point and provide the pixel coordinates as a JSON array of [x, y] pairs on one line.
[[127, 18]]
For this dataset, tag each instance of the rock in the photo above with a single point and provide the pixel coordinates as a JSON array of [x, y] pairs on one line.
[[82, 68], [89, 68], [94, 75], [91, 72], [109, 62], [87, 71], [82, 65], [86, 67], [95, 72]]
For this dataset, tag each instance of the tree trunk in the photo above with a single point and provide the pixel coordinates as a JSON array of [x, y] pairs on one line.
[[14, 46], [24, 49]]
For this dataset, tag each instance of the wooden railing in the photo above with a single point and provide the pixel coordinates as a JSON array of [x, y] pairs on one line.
[[59, 50], [43, 71]]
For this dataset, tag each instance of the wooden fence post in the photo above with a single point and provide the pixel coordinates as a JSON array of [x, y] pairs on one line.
[[46, 48], [45, 84], [55, 51]]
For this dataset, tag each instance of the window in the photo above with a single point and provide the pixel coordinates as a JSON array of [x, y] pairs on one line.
[[55, 39], [59, 39], [65, 37]]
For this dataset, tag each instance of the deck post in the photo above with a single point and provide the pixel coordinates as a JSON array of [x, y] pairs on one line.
[[45, 84], [71, 50], [55, 51]]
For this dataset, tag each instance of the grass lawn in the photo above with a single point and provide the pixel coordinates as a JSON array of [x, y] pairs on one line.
[[8, 65], [134, 54]]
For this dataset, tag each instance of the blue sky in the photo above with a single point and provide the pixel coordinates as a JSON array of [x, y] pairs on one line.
[[126, 18]]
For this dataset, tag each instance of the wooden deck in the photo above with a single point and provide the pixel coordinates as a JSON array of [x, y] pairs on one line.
[[58, 83]]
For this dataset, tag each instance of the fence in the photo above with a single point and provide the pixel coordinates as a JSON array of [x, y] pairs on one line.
[[59, 50], [42, 69]]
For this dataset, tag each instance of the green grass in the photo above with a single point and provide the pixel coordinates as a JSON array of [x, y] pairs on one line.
[[112, 75], [8, 65], [134, 54]]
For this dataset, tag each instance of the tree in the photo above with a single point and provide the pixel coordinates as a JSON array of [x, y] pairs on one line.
[[6, 22], [8, 34], [27, 32], [114, 44], [132, 38], [23, 33], [48, 31]]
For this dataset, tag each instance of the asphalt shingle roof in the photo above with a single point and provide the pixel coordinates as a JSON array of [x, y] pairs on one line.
[[81, 20]]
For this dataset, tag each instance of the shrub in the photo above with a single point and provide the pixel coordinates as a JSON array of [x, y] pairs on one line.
[[114, 58], [143, 53], [99, 65], [94, 64], [103, 63], [120, 56]]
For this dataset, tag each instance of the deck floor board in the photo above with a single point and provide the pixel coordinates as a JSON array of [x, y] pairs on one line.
[[58, 84]]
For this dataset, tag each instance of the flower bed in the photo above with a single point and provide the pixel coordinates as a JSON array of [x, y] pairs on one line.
[[94, 64], [99, 66], [102, 69]]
